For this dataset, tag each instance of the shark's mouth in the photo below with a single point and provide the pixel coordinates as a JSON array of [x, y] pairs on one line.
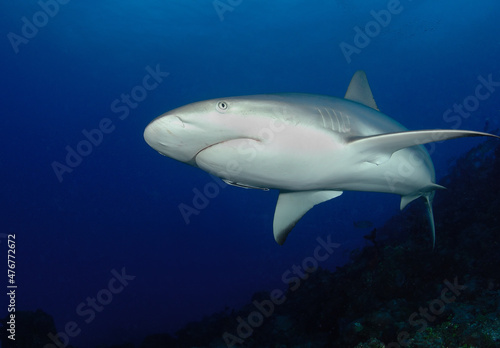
[[225, 155], [238, 143], [207, 147]]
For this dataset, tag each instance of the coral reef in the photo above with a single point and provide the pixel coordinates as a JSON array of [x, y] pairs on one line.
[[32, 329], [396, 292]]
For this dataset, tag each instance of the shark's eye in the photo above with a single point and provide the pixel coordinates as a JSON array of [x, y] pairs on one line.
[[222, 106]]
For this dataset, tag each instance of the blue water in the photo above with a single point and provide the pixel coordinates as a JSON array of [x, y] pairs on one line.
[[118, 207]]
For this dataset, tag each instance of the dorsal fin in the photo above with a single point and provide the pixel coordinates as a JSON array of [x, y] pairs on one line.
[[359, 90], [292, 206]]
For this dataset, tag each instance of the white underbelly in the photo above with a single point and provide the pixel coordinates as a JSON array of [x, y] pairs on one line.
[[298, 165]]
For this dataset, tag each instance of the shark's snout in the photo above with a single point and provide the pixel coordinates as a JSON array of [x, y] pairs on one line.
[[172, 137], [163, 131]]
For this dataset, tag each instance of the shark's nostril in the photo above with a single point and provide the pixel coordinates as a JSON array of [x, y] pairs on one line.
[[180, 121]]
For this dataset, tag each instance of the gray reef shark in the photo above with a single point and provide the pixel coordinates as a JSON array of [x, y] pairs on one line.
[[309, 147]]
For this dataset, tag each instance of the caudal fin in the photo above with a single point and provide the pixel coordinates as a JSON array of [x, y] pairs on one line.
[[428, 194], [428, 203]]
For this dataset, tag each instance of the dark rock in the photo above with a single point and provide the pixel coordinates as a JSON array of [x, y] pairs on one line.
[[32, 329]]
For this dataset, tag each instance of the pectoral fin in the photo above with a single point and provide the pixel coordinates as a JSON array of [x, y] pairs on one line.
[[378, 149], [292, 206]]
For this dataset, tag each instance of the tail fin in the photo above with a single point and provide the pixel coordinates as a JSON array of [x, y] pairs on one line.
[[427, 193], [428, 203]]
